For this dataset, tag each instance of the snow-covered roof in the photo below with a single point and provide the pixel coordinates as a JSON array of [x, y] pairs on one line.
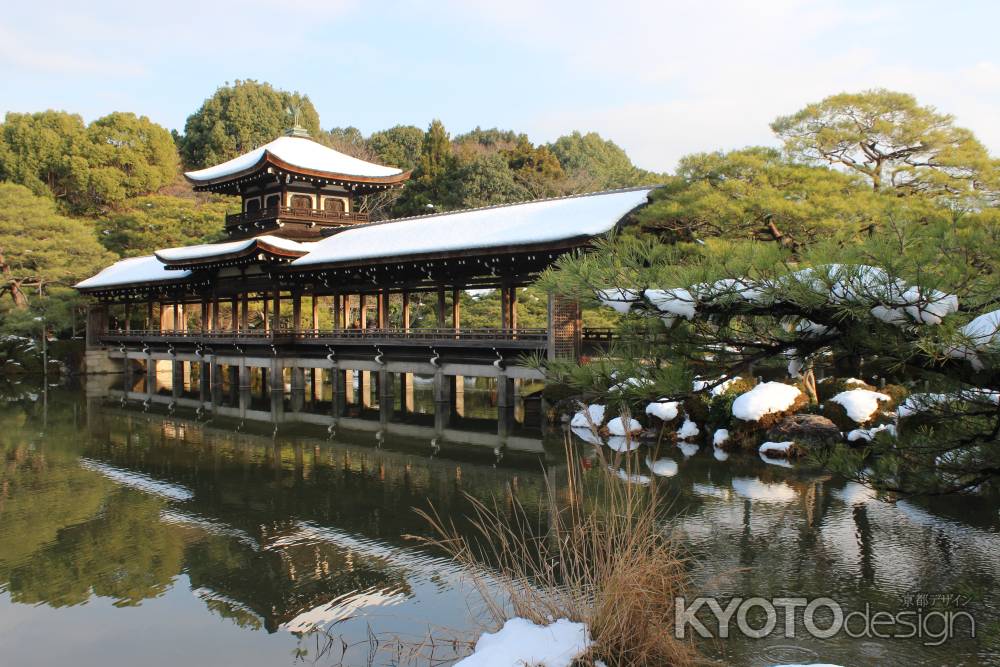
[[133, 271], [300, 152], [206, 251], [525, 224]]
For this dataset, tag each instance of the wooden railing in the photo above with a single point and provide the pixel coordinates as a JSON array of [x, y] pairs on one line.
[[289, 213], [478, 337]]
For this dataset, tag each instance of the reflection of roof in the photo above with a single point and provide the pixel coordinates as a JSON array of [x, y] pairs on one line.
[[296, 154], [511, 225], [133, 271]]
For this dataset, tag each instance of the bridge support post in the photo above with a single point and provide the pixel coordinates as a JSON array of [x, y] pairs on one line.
[[386, 397], [177, 378], [244, 387], [505, 404], [406, 392], [365, 388], [338, 390], [442, 401], [277, 389], [457, 397], [298, 388]]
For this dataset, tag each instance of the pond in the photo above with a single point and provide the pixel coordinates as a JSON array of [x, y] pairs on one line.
[[132, 535]]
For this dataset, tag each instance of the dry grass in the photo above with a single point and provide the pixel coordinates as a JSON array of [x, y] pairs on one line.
[[602, 558]]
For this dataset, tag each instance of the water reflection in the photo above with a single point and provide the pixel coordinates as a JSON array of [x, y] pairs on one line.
[[214, 527]]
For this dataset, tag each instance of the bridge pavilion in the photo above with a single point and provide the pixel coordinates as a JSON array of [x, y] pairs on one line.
[[305, 282]]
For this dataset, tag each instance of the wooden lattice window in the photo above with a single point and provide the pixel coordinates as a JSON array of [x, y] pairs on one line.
[[272, 201], [333, 205], [301, 201]]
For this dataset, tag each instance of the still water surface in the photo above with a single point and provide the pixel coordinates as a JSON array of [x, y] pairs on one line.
[[131, 537]]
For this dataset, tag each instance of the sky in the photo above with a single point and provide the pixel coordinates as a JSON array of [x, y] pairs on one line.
[[661, 79]]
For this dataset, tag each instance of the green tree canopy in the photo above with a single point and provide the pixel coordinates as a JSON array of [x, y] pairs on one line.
[[893, 141], [42, 254], [756, 193], [241, 117], [432, 186], [89, 169], [156, 221], [596, 163], [398, 146]]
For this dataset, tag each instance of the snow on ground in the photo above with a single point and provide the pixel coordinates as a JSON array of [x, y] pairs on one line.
[[688, 429], [778, 449], [764, 399], [868, 434], [662, 467], [860, 404], [520, 642], [665, 410], [617, 427], [596, 417], [720, 437]]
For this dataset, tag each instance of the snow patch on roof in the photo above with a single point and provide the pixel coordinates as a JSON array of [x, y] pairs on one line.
[[208, 250], [133, 270], [299, 152], [527, 223]]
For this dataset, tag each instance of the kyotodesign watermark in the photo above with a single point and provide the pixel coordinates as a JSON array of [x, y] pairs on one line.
[[820, 618]]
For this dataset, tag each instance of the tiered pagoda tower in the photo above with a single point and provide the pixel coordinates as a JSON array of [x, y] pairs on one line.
[[294, 187]]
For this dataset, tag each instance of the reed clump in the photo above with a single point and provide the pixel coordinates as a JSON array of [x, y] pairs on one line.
[[600, 556]]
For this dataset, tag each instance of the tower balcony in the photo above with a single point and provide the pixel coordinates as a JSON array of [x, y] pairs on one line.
[[250, 223]]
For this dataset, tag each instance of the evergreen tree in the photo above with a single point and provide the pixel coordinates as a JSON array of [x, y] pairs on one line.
[[157, 221], [241, 117], [398, 146], [596, 163], [432, 186], [42, 255], [892, 141]]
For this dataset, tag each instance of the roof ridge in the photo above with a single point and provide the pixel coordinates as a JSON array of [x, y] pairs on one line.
[[423, 216]]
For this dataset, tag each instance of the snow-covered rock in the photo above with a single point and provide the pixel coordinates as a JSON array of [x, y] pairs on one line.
[[665, 410], [520, 642], [860, 404], [720, 437], [581, 420], [766, 398], [617, 426]]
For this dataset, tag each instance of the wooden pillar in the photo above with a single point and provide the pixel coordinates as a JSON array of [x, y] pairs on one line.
[[266, 302], [245, 313], [216, 316], [504, 307], [297, 313], [128, 319], [315, 314], [204, 315], [149, 315], [363, 310], [177, 316], [338, 312], [276, 315], [440, 308], [456, 309], [406, 311], [345, 312], [383, 309], [512, 318], [235, 306]]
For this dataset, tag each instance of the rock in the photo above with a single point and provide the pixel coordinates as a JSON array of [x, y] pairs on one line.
[[807, 430]]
